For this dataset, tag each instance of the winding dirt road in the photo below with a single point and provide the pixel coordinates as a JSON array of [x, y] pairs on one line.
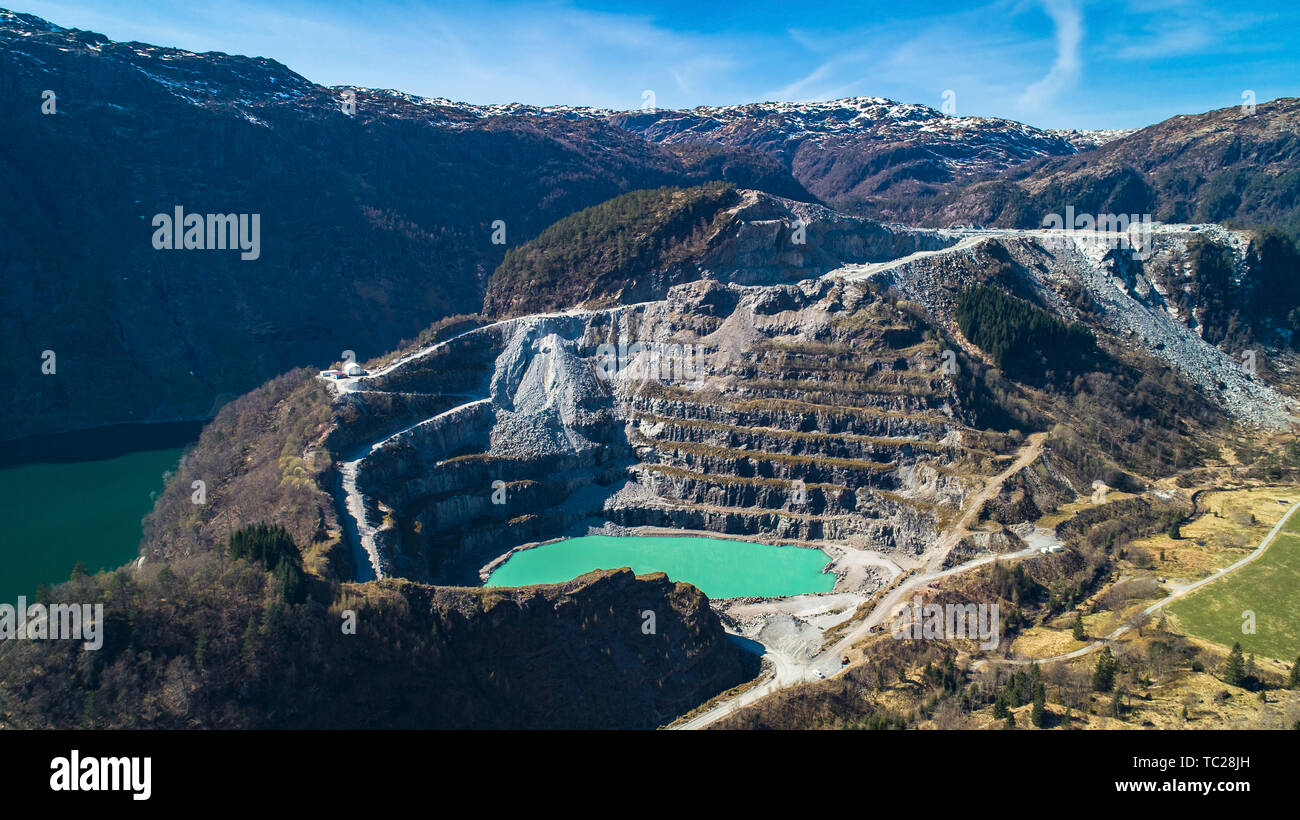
[[1032, 449], [1128, 627], [826, 663]]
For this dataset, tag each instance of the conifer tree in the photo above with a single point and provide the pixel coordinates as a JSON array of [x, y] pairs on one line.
[[1234, 668], [1103, 677], [1000, 699]]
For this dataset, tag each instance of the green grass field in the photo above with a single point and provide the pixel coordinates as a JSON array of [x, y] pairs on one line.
[[1270, 587]]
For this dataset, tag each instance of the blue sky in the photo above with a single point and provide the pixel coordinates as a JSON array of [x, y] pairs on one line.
[[1051, 63]]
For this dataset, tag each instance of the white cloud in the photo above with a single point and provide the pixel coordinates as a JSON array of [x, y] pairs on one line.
[[1189, 31], [1066, 68]]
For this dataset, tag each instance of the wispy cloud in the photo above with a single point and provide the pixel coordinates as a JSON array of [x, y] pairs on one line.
[[1179, 30], [913, 60], [1067, 17], [552, 52], [800, 89]]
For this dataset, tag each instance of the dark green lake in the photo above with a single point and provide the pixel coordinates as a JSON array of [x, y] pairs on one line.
[[57, 511]]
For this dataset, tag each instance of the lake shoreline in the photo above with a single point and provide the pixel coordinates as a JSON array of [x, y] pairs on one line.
[[100, 443]]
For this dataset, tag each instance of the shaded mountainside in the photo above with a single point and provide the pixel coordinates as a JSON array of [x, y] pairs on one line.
[[211, 642], [371, 226], [911, 163], [261, 459], [843, 151], [375, 223]]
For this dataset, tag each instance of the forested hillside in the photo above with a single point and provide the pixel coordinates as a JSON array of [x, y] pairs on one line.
[[602, 251]]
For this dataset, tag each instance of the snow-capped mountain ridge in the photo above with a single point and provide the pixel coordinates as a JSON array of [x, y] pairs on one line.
[[847, 115], [847, 152]]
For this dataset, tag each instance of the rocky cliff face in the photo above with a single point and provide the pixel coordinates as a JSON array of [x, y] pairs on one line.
[[845, 408], [805, 412], [757, 246], [1123, 292], [576, 655]]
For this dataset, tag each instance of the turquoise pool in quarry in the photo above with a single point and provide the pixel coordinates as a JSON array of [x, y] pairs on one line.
[[721, 568]]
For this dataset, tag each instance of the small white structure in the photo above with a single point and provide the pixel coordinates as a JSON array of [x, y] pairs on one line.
[[353, 369]]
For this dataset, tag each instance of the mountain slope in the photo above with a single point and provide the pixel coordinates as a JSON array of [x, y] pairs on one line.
[[857, 148], [637, 246], [372, 226], [910, 163], [1229, 166], [600, 251], [377, 222]]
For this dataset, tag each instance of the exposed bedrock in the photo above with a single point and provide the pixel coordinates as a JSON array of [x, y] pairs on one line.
[[761, 246], [793, 417], [809, 411], [862, 519], [723, 408]]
